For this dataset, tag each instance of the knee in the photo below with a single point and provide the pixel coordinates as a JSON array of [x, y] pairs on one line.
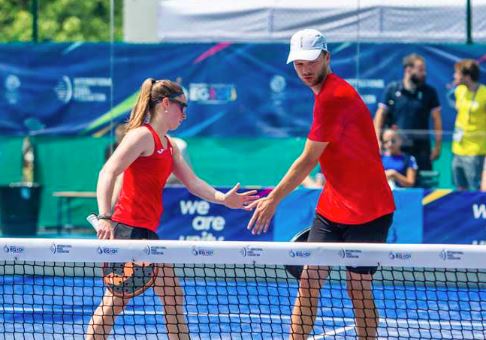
[[313, 278]]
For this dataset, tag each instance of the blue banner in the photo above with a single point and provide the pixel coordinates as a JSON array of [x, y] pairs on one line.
[[187, 217], [235, 90], [297, 211], [439, 216], [455, 217]]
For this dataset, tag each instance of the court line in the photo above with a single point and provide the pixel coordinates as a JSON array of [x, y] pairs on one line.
[[387, 321], [334, 332], [251, 315]]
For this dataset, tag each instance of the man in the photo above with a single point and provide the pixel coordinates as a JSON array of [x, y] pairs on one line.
[[407, 105], [356, 204], [469, 139]]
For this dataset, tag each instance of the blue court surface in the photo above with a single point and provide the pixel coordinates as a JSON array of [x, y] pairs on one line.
[[46, 307]]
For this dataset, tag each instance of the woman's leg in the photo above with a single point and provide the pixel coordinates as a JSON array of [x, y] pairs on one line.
[[167, 287], [102, 321]]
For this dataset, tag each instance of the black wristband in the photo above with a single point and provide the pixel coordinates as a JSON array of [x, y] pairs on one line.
[[104, 217]]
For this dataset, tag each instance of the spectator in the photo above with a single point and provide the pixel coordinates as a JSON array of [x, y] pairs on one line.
[[469, 139], [400, 168], [315, 181], [408, 105]]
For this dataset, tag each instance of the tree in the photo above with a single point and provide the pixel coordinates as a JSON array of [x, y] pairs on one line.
[[60, 20]]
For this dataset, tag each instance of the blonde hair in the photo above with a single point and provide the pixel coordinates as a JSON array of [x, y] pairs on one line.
[[151, 93]]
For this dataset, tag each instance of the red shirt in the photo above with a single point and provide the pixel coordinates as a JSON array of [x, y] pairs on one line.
[[356, 189], [140, 201]]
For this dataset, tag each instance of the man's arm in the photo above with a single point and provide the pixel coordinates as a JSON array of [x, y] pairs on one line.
[[437, 121], [302, 166]]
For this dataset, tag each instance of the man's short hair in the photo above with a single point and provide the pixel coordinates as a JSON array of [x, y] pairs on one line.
[[468, 67], [411, 59]]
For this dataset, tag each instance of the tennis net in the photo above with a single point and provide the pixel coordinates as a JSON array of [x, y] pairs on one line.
[[51, 288]]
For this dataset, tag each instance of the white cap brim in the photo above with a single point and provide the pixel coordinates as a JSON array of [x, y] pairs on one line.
[[307, 55]]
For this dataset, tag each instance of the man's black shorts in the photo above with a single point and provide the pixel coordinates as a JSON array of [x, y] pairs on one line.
[[324, 230], [126, 232]]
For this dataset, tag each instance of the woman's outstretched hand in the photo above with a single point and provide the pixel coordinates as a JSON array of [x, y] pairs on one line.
[[234, 200]]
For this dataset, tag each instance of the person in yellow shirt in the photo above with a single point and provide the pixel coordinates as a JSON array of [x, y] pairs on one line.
[[469, 139]]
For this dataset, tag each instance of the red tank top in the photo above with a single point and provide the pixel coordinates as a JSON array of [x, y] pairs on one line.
[[140, 201]]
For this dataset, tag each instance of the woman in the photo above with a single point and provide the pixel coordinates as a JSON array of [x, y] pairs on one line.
[[400, 168], [146, 156]]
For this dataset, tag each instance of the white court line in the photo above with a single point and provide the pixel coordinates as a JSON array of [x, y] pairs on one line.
[[334, 332], [261, 316], [407, 322]]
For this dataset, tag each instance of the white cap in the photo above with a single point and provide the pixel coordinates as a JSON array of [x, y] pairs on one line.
[[306, 45]]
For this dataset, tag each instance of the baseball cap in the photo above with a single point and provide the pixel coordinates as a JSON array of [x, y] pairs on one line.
[[306, 45]]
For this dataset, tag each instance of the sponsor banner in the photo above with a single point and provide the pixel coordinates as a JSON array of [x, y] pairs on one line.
[[68, 89], [454, 217], [276, 253], [187, 217], [297, 211]]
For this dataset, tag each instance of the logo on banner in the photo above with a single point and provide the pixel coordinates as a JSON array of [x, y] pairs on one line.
[[154, 250], [205, 93], [61, 248], [197, 251], [349, 253], [13, 249], [479, 211], [399, 256], [202, 222], [83, 89], [451, 255], [107, 250], [64, 89], [299, 253], [12, 85], [251, 252], [278, 83]]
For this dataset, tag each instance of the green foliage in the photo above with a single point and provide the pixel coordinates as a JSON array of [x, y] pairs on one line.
[[60, 20]]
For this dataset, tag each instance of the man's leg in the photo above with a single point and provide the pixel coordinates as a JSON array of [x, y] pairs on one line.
[[359, 279], [458, 175], [366, 314], [473, 167], [307, 301]]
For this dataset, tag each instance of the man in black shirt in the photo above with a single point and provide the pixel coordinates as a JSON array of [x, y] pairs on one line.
[[407, 105]]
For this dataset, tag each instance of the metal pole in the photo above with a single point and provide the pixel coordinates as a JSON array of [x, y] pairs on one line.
[[112, 62], [35, 25], [469, 39]]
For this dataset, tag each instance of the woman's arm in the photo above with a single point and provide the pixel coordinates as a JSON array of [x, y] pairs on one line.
[[405, 181], [133, 145]]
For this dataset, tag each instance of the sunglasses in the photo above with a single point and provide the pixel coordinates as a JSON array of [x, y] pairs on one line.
[[182, 105]]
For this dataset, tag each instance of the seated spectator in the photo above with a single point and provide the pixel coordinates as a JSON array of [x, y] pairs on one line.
[[400, 168], [316, 181]]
